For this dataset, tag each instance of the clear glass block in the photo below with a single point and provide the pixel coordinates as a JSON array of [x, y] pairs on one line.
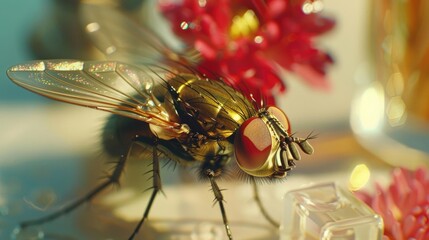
[[326, 211]]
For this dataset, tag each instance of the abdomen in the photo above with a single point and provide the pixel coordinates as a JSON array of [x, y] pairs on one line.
[[119, 132]]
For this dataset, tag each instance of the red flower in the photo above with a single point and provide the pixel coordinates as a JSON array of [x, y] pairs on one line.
[[404, 205], [248, 41]]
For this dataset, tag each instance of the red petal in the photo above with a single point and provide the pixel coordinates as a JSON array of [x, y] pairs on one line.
[[312, 77]]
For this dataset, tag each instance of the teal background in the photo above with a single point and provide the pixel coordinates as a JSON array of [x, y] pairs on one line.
[[18, 21]]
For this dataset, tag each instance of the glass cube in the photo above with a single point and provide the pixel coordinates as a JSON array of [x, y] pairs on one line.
[[326, 211]]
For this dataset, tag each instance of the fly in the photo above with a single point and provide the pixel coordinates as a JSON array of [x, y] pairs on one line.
[[166, 108]]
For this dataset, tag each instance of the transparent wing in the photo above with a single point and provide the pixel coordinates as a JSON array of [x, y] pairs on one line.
[[110, 86], [120, 38]]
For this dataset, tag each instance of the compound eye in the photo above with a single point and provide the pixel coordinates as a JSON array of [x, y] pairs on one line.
[[281, 116], [252, 144]]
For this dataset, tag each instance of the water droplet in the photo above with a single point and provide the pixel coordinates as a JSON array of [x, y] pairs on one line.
[[92, 27], [41, 199], [208, 231], [258, 39], [27, 234], [184, 25]]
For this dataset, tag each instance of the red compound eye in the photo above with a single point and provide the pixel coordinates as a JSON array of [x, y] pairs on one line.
[[281, 116], [252, 143]]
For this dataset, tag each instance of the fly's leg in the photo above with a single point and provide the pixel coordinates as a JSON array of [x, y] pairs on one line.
[[219, 198], [261, 207], [112, 179], [156, 187]]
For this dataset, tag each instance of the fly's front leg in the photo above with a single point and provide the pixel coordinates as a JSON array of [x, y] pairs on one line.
[[261, 207], [219, 198], [156, 187]]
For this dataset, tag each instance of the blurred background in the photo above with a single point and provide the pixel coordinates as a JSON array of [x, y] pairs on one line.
[[373, 117]]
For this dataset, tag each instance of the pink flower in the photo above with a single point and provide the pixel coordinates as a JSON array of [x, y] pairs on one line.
[[249, 41], [404, 205]]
